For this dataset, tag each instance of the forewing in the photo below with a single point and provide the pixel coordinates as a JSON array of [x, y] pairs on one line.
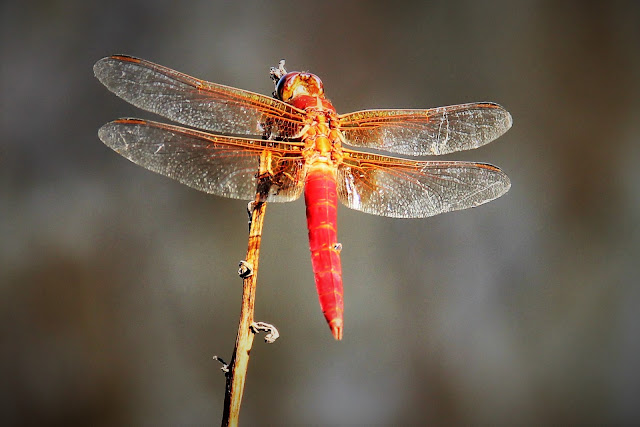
[[400, 188], [195, 102], [426, 132], [220, 165]]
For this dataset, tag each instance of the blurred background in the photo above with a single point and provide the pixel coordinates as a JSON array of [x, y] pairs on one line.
[[119, 285]]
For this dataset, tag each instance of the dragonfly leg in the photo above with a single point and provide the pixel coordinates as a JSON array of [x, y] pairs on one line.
[[302, 132], [272, 332], [250, 207], [276, 73], [245, 270]]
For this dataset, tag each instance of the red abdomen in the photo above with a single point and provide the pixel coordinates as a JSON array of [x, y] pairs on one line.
[[321, 197]]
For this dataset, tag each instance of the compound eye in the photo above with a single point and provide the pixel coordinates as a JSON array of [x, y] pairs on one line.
[[284, 88], [295, 84]]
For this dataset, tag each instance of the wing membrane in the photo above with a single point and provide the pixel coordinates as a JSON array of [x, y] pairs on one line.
[[220, 165], [195, 102], [408, 189], [426, 132]]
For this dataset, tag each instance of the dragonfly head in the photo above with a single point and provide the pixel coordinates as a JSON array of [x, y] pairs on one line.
[[296, 83]]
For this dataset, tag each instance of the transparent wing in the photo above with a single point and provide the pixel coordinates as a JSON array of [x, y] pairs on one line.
[[220, 165], [426, 132], [401, 188], [195, 102]]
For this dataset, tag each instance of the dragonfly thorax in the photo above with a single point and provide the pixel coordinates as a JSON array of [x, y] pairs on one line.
[[322, 138]]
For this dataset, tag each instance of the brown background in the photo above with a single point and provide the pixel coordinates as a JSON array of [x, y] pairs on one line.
[[119, 285]]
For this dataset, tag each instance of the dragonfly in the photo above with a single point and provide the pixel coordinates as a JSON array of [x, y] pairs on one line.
[[227, 131]]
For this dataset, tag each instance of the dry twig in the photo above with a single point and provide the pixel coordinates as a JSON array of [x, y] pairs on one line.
[[249, 272]]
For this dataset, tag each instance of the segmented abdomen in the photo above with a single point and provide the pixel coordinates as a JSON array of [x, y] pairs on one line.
[[321, 197]]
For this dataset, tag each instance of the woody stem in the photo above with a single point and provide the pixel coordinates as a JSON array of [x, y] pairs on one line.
[[244, 339]]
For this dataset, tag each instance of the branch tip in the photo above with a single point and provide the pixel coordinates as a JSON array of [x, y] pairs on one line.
[[225, 366]]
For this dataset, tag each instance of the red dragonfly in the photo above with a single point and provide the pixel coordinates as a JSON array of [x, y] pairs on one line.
[[303, 136]]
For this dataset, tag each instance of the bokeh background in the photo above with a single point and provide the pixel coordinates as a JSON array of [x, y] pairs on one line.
[[119, 285]]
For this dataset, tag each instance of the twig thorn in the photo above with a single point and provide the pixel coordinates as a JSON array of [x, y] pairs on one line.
[[272, 332]]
